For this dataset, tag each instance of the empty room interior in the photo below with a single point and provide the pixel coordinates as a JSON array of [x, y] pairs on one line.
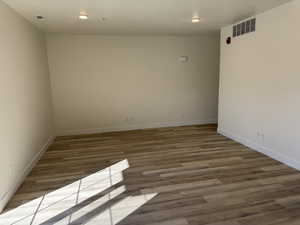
[[149, 112]]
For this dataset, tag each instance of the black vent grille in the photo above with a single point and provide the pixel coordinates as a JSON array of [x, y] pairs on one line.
[[244, 27]]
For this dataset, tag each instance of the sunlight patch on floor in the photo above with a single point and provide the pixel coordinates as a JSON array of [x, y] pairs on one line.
[[99, 198]]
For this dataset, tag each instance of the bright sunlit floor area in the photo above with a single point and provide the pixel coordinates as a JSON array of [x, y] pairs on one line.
[[100, 198]]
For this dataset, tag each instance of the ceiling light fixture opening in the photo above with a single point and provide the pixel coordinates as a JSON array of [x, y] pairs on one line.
[[83, 16], [195, 19]]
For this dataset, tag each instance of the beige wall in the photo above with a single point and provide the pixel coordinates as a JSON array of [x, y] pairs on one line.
[[25, 115], [103, 83], [259, 101]]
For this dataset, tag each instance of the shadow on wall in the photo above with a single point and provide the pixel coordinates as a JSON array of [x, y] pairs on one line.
[[101, 198]]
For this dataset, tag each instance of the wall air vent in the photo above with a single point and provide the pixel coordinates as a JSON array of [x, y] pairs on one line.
[[244, 27]]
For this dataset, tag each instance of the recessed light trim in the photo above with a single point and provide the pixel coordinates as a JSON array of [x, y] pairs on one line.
[[83, 16], [196, 19]]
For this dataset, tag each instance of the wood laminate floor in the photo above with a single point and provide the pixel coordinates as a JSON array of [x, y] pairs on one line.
[[168, 176]]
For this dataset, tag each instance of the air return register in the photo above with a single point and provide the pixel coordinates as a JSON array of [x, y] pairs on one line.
[[244, 27]]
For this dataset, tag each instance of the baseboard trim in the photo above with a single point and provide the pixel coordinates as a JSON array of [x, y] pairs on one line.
[[136, 127], [272, 153], [8, 195]]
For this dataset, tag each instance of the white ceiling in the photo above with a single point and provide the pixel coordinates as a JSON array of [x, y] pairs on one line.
[[139, 16]]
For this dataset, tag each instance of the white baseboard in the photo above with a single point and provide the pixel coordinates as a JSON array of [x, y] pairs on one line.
[[272, 153], [8, 194], [128, 127]]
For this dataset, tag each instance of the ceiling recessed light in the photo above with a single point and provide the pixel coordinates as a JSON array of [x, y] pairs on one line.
[[195, 19], [83, 16]]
